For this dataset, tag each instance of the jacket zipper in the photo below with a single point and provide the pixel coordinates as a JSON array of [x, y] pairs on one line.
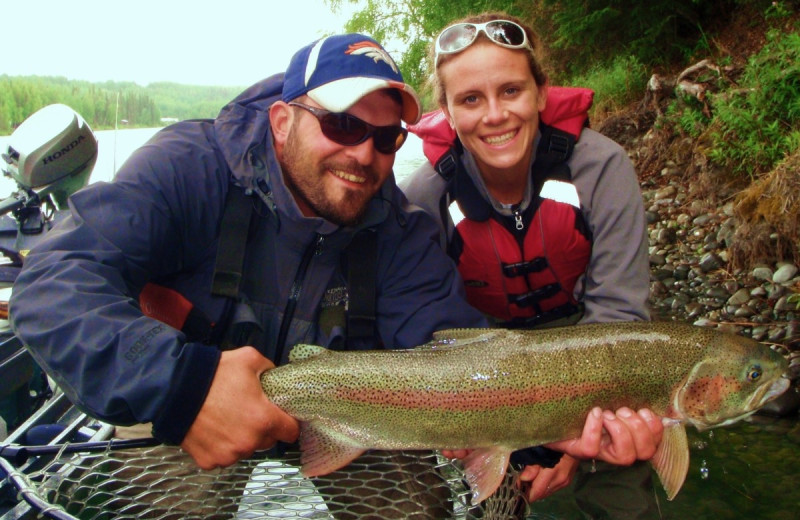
[[518, 220], [314, 248]]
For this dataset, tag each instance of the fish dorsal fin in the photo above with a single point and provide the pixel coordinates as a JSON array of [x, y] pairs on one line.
[[671, 460], [301, 351], [484, 470], [323, 451], [461, 337]]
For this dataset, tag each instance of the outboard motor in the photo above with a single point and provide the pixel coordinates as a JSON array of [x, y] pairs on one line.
[[51, 153], [50, 156]]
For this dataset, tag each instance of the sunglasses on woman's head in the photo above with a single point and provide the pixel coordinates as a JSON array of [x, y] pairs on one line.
[[459, 36], [348, 130]]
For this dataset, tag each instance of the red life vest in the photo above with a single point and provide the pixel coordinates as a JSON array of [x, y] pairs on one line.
[[521, 270]]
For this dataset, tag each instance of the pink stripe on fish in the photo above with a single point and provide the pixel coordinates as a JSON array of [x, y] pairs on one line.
[[460, 400]]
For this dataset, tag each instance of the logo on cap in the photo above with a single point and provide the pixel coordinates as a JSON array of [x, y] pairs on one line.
[[373, 51]]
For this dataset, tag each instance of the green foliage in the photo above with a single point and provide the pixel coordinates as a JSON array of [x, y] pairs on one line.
[[756, 127], [778, 10], [686, 116], [615, 85], [104, 104], [100, 104], [653, 32], [190, 101]]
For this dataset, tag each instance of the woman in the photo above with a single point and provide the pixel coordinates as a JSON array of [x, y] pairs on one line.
[[553, 230]]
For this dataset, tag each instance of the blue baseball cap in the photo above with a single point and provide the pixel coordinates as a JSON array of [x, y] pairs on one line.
[[337, 71]]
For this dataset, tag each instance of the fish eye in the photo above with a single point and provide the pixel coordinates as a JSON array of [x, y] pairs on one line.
[[754, 373]]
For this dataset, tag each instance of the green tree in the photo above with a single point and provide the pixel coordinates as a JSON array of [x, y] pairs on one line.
[[102, 105]]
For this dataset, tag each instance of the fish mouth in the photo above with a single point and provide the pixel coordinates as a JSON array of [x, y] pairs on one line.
[[777, 387], [758, 400]]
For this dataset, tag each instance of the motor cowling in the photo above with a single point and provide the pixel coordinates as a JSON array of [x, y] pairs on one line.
[[53, 152]]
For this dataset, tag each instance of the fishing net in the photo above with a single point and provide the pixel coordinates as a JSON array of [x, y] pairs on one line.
[[164, 483]]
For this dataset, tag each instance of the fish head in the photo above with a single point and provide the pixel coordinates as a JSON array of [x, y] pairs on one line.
[[734, 378]]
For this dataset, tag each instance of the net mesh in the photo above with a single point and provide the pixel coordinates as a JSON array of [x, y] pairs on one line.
[[164, 483]]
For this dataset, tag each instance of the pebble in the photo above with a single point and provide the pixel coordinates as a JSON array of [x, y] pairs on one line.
[[740, 297], [665, 193], [784, 273], [783, 305], [710, 262], [762, 273]]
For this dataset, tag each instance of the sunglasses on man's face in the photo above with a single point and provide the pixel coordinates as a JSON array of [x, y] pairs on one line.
[[348, 130], [459, 36]]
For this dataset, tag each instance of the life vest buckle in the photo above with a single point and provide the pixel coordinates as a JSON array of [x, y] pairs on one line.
[[560, 147], [447, 166], [535, 265], [531, 298]]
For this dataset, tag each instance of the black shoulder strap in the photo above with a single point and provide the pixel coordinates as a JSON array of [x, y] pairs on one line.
[[234, 229], [555, 148], [362, 274]]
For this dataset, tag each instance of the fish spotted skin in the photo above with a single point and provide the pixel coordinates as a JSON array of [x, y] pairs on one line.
[[497, 390]]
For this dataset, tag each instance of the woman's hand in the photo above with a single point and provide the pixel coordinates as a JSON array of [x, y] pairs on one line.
[[538, 482], [619, 438]]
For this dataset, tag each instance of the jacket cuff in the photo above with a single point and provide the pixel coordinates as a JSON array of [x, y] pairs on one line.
[[188, 391], [537, 455]]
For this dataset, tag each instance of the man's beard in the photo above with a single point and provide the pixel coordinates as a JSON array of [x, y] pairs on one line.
[[304, 178]]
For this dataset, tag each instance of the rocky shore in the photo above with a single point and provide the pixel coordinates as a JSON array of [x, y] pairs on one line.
[[690, 280]]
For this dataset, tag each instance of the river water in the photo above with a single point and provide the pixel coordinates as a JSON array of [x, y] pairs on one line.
[[747, 470], [744, 471]]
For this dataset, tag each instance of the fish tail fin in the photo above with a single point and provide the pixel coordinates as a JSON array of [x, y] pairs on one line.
[[484, 470], [671, 461], [323, 451]]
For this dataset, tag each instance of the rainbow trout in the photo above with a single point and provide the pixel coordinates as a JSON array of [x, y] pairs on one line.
[[496, 390]]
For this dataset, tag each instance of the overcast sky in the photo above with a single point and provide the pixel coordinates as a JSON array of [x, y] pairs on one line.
[[211, 42]]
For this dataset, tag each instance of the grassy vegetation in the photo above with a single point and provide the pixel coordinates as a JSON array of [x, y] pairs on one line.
[[756, 124], [615, 85]]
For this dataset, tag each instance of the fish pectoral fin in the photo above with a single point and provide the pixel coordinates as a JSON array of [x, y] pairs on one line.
[[671, 460], [301, 351], [461, 337], [323, 450], [484, 470]]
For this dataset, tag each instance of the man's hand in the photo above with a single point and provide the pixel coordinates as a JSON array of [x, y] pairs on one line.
[[621, 438], [236, 418], [538, 482]]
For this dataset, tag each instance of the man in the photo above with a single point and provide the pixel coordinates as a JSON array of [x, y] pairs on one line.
[[308, 156]]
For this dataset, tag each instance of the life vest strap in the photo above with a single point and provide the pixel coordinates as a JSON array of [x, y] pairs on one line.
[[232, 242], [534, 265], [362, 275], [532, 298], [559, 146], [556, 313]]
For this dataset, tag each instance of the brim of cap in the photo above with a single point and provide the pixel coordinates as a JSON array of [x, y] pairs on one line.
[[340, 95]]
